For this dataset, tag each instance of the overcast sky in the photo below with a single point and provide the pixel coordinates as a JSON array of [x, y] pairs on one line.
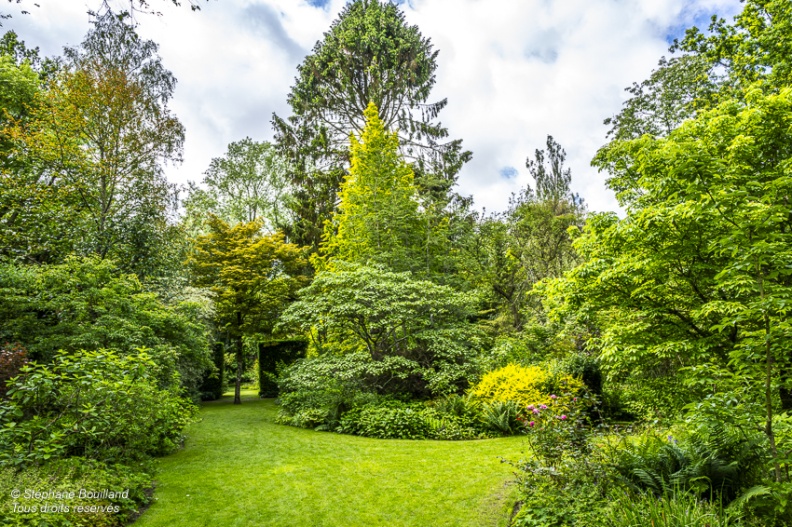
[[513, 71]]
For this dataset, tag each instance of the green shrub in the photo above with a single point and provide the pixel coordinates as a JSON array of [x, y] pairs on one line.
[[387, 421], [71, 475], [545, 505], [315, 392], [587, 369], [562, 482], [451, 428], [92, 404], [456, 417], [389, 418], [87, 303], [720, 465], [465, 407], [416, 329]]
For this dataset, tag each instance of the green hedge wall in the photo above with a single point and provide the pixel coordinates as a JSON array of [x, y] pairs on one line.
[[271, 354]]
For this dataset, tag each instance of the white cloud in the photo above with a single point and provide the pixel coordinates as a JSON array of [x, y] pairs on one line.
[[513, 71]]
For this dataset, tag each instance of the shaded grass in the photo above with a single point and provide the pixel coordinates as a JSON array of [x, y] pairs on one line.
[[241, 469]]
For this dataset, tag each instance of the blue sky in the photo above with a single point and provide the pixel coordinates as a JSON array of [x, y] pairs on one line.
[[513, 71]]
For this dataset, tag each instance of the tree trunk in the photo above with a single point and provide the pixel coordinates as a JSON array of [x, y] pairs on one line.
[[769, 361], [239, 360]]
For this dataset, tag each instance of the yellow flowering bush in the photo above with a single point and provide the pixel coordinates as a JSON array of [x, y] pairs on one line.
[[528, 386]]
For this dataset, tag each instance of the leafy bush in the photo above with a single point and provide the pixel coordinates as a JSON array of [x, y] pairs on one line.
[[573, 478], [392, 317], [387, 421], [577, 504], [456, 417], [563, 482], [393, 419], [657, 465], [452, 428], [466, 407], [315, 392], [12, 358], [528, 385], [70, 475], [92, 404], [86, 303], [587, 369]]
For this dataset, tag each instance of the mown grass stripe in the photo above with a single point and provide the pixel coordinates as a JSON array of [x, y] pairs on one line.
[[240, 469]]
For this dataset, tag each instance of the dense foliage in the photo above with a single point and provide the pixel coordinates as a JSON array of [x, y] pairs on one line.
[[685, 299], [90, 404], [248, 183], [369, 55], [392, 318], [644, 358], [92, 419], [65, 475], [92, 148], [89, 260], [89, 304], [250, 276]]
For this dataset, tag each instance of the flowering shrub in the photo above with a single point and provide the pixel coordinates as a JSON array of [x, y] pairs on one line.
[[557, 428], [561, 482], [532, 386]]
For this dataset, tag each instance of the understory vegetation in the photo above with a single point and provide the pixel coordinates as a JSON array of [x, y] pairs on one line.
[[644, 359]]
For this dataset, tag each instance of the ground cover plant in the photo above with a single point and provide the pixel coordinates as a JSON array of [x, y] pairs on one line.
[[89, 420]]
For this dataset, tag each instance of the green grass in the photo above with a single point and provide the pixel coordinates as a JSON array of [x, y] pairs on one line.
[[239, 468]]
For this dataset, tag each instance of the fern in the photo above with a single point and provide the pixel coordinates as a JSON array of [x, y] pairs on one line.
[[748, 495]]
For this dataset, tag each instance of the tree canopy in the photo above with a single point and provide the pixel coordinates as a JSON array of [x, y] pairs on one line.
[[248, 183], [251, 277], [94, 143], [377, 221], [370, 54]]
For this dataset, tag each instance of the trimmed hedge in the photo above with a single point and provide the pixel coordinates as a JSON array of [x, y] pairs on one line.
[[270, 356]]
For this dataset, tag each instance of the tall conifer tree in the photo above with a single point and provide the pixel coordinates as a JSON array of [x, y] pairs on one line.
[[378, 221]]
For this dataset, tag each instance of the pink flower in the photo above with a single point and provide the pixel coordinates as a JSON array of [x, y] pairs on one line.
[[543, 407], [531, 424], [536, 411], [574, 399], [553, 396], [531, 407], [563, 417]]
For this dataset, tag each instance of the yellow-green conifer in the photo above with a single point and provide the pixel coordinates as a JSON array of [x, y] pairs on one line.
[[377, 221]]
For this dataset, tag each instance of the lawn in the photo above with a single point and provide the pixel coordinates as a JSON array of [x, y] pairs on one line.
[[239, 468]]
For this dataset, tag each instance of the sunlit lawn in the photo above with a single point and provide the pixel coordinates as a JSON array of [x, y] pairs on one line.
[[241, 469]]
